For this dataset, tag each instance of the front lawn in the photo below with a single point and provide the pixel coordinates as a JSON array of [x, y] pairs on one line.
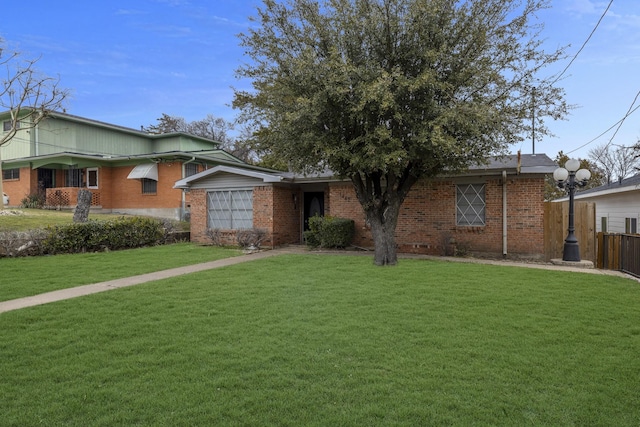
[[28, 219], [324, 340], [22, 277]]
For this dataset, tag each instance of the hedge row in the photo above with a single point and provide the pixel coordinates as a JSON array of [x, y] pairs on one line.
[[90, 236], [329, 232]]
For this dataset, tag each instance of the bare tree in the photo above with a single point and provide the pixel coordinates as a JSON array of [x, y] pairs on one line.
[[26, 95], [615, 162], [211, 127]]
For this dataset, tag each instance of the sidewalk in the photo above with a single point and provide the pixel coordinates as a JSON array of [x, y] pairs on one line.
[[124, 282], [79, 291]]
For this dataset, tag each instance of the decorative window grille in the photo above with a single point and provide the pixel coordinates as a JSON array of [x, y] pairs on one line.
[[149, 186], [73, 177], [190, 169], [470, 204], [230, 209], [8, 174]]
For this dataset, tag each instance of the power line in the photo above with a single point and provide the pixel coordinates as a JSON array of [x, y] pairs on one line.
[[584, 44], [618, 123]]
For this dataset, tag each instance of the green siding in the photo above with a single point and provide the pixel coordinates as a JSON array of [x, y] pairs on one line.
[[62, 133]]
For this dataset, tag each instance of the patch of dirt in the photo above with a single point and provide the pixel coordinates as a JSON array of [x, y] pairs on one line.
[[6, 212]]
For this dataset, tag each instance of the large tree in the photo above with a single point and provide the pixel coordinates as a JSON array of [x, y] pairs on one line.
[[387, 92], [26, 94]]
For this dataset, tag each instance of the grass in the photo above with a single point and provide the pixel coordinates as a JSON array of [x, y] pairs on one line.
[[28, 219], [321, 340], [21, 277]]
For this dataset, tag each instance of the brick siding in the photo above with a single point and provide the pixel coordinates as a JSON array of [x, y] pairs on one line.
[[427, 219]]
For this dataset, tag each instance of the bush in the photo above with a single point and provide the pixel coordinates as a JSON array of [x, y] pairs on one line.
[[250, 238], [33, 201], [329, 232], [123, 233]]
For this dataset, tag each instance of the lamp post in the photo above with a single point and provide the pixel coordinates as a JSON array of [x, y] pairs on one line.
[[571, 177]]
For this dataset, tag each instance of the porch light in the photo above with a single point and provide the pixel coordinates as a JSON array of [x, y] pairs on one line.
[[570, 177]]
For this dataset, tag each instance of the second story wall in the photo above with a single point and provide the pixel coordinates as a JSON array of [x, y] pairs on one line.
[[56, 135]]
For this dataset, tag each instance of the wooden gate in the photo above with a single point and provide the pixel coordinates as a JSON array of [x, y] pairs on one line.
[[556, 224]]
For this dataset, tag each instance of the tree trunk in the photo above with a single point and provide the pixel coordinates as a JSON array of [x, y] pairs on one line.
[[84, 205], [384, 240], [381, 197]]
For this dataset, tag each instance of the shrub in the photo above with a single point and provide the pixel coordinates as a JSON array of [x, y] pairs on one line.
[[329, 232], [123, 233], [215, 234], [251, 237], [33, 201]]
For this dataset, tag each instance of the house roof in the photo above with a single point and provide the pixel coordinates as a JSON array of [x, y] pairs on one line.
[[623, 186], [527, 163], [117, 128], [242, 171], [69, 158], [521, 163]]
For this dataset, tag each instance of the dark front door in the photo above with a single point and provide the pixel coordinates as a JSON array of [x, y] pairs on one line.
[[313, 205], [46, 179]]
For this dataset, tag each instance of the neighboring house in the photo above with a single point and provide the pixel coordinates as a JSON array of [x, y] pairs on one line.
[[494, 210], [617, 205], [128, 171]]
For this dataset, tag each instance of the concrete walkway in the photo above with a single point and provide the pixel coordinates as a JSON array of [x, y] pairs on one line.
[[79, 291], [124, 282]]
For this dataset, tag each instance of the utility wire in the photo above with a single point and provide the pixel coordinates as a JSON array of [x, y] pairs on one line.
[[619, 122], [584, 44]]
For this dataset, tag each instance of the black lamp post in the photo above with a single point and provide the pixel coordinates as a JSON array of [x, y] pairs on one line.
[[571, 178]]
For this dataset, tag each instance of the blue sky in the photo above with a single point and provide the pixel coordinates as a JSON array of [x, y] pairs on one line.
[[128, 62]]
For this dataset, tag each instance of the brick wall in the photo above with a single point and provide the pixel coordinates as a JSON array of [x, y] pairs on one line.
[[263, 211], [127, 193], [287, 204], [18, 189], [199, 216], [275, 209], [427, 219]]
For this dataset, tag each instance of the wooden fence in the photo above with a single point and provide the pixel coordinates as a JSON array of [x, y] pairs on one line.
[[556, 224], [619, 252]]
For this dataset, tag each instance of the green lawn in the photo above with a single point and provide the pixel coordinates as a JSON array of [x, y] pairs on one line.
[[27, 219], [21, 277], [324, 340]]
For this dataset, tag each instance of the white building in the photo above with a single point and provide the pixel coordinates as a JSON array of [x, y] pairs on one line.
[[617, 205]]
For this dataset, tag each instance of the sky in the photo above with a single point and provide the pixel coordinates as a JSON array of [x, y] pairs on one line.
[[129, 62]]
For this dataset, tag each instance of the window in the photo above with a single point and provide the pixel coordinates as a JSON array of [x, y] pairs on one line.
[[603, 224], [631, 225], [149, 186], [11, 174], [470, 205], [6, 125], [92, 178], [230, 210], [73, 177], [190, 169]]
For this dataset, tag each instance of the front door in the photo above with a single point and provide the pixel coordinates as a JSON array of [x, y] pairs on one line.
[[313, 205], [46, 179]]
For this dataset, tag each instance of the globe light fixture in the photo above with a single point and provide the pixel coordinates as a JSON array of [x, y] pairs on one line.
[[571, 177]]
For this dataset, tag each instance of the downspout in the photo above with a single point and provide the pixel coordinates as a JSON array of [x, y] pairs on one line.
[[36, 135], [183, 208], [504, 214]]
